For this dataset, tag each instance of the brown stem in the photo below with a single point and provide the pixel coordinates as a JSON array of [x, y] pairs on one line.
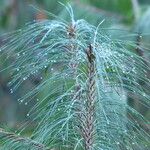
[[85, 117], [17, 138], [89, 126]]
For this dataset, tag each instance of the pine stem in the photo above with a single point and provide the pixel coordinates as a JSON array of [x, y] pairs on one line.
[[89, 126], [18, 138]]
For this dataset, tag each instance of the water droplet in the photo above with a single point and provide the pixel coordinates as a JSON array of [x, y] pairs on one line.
[[17, 69], [125, 131], [37, 99], [26, 103], [118, 143], [27, 115], [52, 69], [144, 94], [107, 67], [11, 91], [25, 78]]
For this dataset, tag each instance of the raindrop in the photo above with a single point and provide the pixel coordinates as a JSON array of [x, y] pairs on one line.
[[118, 143], [37, 99], [52, 69], [108, 122], [144, 94], [27, 115], [25, 78], [125, 131], [11, 91], [26, 103], [107, 67], [17, 69]]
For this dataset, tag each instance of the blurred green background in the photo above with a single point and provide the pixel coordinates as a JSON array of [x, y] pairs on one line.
[[128, 16]]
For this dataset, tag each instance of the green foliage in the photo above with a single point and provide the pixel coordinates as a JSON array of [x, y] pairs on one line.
[[121, 7], [85, 76]]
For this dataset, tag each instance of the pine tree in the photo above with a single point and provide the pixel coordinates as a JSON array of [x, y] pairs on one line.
[[88, 75]]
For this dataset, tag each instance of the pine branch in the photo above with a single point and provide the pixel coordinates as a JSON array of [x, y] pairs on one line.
[[82, 102], [16, 138], [89, 123]]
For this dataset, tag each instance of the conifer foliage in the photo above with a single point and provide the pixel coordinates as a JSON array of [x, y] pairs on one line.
[[88, 75]]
